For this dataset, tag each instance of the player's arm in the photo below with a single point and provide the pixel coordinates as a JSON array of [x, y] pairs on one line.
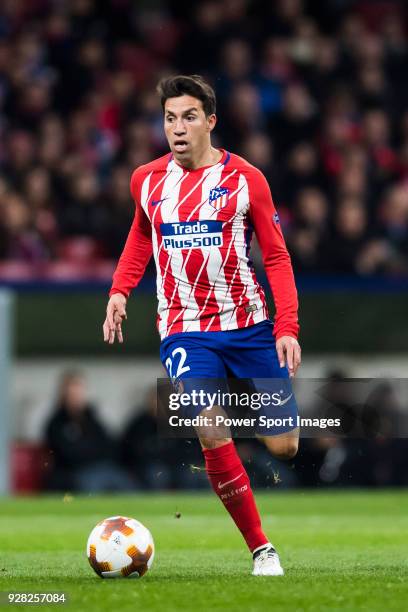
[[130, 269], [278, 268]]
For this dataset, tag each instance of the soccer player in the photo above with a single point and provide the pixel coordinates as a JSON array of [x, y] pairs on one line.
[[196, 210]]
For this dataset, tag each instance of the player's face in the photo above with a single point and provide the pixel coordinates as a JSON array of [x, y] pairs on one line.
[[187, 128]]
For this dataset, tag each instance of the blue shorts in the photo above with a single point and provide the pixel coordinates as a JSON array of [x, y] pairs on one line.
[[248, 353]]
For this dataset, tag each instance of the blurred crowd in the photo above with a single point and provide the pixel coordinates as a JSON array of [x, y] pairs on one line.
[[314, 93], [81, 454]]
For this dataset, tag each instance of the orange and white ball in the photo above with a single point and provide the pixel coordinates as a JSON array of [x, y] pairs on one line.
[[120, 547]]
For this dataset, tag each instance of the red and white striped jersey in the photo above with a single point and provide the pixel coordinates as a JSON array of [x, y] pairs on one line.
[[198, 224]]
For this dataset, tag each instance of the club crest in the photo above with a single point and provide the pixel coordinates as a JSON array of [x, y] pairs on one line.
[[219, 197]]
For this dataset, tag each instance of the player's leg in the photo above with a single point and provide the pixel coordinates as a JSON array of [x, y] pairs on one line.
[[281, 439], [225, 470], [252, 355], [282, 446], [231, 484], [281, 433]]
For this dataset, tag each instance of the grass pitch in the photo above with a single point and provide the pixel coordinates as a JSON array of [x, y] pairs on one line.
[[341, 551]]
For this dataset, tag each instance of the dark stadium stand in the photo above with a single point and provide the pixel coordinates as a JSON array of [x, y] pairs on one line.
[[314, 94]]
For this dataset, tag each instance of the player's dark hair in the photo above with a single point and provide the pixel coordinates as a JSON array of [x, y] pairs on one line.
[[192, 85]]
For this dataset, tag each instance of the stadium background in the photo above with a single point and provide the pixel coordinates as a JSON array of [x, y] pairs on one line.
[[313, 93]]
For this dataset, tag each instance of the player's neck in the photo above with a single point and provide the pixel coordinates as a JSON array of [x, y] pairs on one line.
[[209, 157]]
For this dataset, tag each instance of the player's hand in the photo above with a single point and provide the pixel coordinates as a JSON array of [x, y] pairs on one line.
[[288, 350], [115, 314]]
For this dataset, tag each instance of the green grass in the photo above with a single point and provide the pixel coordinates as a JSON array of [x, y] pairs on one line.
[[341, 551]]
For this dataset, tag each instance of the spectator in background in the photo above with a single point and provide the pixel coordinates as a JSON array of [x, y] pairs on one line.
[[121, 209], [243, 115], [157, 462], [298, 120], [83, 453], [371, 453], [310, 228], [379, 458], [321, 458], [22, 241], [393, 225], [345, 243], [84, 215], [302, 170], [258, 150]]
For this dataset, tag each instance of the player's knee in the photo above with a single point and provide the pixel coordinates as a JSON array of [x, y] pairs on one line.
[[290, 449], [213, 442], [284, 448]]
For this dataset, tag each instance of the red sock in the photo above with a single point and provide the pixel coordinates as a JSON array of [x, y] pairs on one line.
[[231, 483]]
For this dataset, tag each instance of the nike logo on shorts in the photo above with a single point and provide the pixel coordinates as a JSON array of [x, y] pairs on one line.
[[285, 401]]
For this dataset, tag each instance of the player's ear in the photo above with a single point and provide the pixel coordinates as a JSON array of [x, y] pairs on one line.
[[211, 121]]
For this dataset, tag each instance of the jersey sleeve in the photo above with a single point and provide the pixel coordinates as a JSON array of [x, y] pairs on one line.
[[138, 248], [276, 259]]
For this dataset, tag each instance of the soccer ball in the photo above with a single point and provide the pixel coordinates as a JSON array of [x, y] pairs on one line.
[[120, 547]]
